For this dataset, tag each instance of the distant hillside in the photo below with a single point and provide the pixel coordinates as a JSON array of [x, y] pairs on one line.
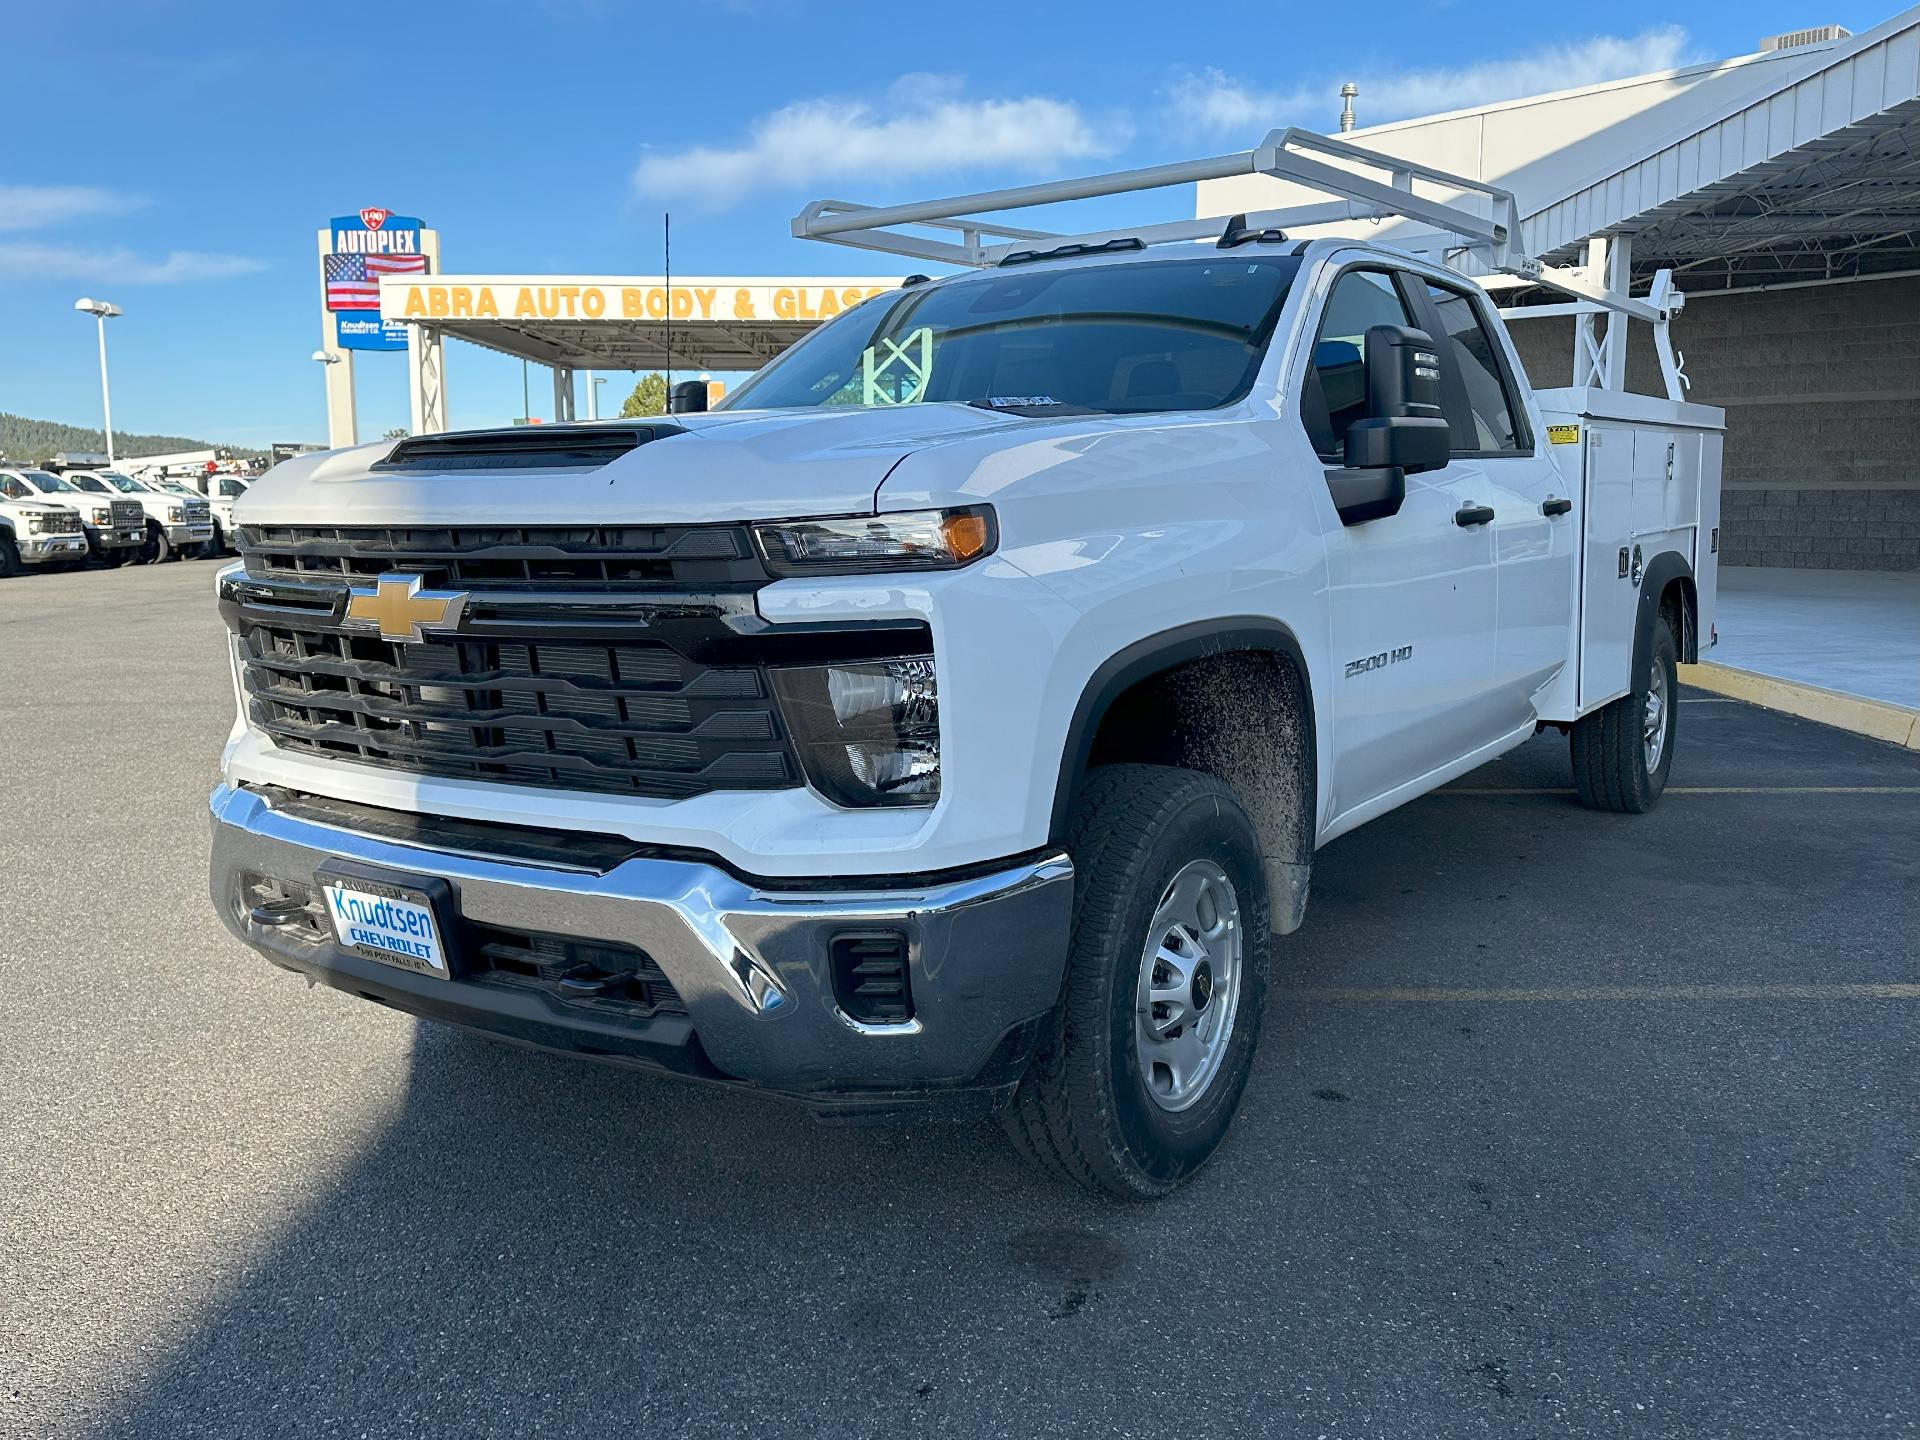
[[31, 441]]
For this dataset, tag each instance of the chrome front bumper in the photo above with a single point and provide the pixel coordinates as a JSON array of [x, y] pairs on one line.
[[750, 960], [178, 535], [37, 549]]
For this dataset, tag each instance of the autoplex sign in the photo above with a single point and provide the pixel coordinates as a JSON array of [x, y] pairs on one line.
[[546, 298], [363, 248]]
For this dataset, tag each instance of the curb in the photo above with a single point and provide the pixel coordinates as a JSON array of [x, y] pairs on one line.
[[1877, 719]]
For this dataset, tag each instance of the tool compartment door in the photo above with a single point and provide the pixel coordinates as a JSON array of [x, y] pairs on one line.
[[1607, 594]]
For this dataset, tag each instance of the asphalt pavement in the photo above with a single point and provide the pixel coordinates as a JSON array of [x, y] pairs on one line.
[[1563, 1124]]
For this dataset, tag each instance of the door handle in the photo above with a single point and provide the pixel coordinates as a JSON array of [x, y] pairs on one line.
[[1555, 506], [1469, 515]]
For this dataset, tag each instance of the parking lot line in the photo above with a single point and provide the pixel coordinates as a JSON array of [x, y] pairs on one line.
[[1421, 994], [1696, 790]]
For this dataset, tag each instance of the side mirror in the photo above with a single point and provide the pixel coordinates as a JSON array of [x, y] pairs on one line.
[[689, 397], [1404, 431]]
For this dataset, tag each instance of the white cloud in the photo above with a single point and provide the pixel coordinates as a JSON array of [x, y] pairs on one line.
[[924, 126], [29, 207], [117, 266], [1215, 103]]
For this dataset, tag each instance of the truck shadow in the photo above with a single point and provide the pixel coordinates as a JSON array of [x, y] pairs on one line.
[[560, 1243]]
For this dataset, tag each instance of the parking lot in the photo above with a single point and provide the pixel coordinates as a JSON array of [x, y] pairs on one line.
[[1563, 1123]]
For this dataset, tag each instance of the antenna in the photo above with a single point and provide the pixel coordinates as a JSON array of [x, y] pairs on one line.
[[666, 225], [1347, 93]]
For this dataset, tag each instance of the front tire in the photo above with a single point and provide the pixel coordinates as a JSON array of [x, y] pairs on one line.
[[1623, 752], [1135, 1086], [216, 546], [158, 549], [9, 558]]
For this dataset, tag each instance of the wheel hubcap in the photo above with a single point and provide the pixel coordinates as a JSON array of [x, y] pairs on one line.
[[1189, 985], [1653, 724]]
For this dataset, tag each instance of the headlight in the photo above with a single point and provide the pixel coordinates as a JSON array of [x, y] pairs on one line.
[[868, 732], [102, 515], [36, 524], [176, 515], [864, 544]]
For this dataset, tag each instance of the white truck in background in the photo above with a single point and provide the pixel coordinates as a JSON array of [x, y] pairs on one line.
[[953, 716], [35, 528], [176, 521], [114, 526]]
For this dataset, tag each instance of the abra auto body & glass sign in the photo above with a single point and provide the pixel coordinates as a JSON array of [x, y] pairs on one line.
[[564, 298]]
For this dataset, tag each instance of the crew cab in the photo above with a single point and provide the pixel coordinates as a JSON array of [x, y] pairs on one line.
[[114, 525], [175, 519], [34, 529], [953, 716]]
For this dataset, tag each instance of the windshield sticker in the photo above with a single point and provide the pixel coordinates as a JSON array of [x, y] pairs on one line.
[[896, 372]]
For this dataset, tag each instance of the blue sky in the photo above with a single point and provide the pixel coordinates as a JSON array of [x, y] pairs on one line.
[[177, 158]]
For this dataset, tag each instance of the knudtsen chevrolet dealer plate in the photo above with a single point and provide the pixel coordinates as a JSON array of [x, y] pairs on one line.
[[393, 922]]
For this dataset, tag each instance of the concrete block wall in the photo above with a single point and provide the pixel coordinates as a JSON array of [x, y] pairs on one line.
[[1821, 386]]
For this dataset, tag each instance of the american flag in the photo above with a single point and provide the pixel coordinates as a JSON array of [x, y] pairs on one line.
[[353, 281]]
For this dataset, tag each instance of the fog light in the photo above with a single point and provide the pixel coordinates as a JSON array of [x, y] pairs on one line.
[[868, 733]]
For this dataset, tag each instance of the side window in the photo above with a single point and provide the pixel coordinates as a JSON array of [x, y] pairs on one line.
[[1491, 422], [13, 489], [1336, 386]]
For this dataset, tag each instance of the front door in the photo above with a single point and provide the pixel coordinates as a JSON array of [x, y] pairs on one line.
[[1412, 594]]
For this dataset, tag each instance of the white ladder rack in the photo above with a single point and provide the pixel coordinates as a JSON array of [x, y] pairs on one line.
[[1490, 241]]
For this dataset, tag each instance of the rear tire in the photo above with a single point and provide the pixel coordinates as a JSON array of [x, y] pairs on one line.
[[1623, 752], [1125, 1095]]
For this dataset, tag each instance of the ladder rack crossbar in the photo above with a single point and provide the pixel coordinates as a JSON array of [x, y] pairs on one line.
[[1490, 241]]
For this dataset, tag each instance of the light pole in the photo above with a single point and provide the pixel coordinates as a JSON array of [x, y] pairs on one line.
[[102, 312], [594, 382]]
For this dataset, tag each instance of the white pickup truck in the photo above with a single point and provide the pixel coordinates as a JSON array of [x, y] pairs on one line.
[[952, 717], [36, 527], [175, 520]]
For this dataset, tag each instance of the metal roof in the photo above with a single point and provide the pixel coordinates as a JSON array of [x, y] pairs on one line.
[[1815, 176]]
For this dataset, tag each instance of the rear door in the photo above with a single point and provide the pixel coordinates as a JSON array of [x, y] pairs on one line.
[[1535, 527], [1411, 617]]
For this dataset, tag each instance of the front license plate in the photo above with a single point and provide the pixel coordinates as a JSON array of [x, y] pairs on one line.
[[393, 923]]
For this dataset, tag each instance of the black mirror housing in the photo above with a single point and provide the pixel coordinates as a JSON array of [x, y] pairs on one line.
[[689, 397], [1405, 427], [1405, 431]]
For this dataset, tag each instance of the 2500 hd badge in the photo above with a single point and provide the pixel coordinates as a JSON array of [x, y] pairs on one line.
[[1378, 662]]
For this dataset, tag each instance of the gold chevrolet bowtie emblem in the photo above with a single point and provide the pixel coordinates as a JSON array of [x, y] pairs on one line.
[[401, 610]]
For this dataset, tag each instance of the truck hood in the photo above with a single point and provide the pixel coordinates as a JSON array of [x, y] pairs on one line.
[[37, 507], [728, 465]]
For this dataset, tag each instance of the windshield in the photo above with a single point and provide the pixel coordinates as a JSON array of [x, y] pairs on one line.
[[92, 484], [125, 484], [47, 483], [1131, 338], [174, 487]]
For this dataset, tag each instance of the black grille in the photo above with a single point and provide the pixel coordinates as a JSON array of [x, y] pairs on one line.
[[870, 977], [127, 514], [637, 718], [575, 972], [525, 558]]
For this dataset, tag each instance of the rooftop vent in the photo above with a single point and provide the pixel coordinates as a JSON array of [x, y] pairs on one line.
[[1813, 35]]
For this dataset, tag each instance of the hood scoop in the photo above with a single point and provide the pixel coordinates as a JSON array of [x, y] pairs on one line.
[[542, 447]]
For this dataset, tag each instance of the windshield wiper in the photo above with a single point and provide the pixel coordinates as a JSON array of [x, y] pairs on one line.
[[1031, 405]]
